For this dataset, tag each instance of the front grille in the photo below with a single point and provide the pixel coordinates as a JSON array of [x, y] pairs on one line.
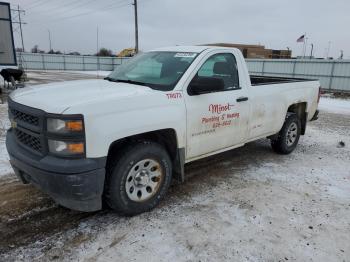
[[28, 126], [24, 117], [29, 140]]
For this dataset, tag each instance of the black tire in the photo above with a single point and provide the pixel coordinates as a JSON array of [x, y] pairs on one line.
[[116, 195], [279, 143]]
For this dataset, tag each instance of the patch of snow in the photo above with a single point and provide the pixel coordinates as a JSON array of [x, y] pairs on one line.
[[97, 73], [332, 105], [5, 167], [248, 204]]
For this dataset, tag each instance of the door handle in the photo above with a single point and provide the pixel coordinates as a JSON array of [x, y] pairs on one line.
[[242, 99]]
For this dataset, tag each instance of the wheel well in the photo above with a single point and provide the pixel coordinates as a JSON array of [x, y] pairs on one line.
[[300, 110], [165, 137]]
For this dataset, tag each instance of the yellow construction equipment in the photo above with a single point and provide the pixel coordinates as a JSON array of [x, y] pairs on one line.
[[127, 52]]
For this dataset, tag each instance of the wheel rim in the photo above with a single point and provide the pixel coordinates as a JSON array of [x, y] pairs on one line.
[[143, 180], [292, 134]]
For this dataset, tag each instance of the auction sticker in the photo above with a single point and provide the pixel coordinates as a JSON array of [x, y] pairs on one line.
[[185, 54]]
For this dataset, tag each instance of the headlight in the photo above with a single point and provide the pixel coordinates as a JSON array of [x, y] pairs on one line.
[[66, 148], [64, 126], [66, 136]]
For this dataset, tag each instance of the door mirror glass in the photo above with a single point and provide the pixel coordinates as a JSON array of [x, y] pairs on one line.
[[202, 85]]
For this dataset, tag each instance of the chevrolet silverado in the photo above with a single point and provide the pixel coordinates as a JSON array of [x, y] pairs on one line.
[[121, 140]]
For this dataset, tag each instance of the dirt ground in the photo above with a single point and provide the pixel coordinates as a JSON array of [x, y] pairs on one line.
[[248, 204]]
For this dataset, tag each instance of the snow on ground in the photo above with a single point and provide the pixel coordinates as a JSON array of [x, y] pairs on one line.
[[5, 167], [332, 105], [96, 73], [248, 204], [35, 77]]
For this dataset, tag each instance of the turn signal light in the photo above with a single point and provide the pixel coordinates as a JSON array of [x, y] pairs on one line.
[[75, 126], [77, 148], [66, 148]]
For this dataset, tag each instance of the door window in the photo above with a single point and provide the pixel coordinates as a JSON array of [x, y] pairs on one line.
[[222, 66]]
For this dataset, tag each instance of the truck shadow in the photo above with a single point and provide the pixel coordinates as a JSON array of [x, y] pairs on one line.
[[27, 215]]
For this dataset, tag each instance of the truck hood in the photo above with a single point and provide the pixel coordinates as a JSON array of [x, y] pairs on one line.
[[58, 97]]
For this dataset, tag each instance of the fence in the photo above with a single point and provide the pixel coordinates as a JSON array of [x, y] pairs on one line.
[[68, 62], [333, 74]]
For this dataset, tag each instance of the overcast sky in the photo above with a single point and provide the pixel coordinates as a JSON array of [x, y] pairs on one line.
[[274, 23]]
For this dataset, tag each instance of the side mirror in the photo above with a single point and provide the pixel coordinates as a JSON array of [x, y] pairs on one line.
[[204, 85]]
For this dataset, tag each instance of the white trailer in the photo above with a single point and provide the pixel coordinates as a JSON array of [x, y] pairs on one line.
[[8, 58]]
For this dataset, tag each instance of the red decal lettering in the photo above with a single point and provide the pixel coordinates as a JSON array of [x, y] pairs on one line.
[[234, 115], [174, 95], [219, 108]]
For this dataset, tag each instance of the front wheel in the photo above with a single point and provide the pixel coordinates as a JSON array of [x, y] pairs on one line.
[[139, 178], [288, 138]]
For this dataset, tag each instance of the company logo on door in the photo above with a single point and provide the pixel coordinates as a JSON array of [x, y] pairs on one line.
[[219, 108]]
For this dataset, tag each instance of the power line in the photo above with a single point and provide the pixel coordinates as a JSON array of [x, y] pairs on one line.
[[105, 8], [64, 10], [37, 3], [61, 8]]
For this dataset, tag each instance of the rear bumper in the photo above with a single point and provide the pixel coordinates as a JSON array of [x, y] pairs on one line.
[[74, 183]]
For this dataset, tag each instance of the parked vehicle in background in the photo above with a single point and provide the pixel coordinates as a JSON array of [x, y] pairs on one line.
[[123, 139], [127, 52]]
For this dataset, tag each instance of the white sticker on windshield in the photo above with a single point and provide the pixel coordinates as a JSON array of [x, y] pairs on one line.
[[185, 55]]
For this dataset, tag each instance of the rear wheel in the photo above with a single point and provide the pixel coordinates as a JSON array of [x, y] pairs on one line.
[[139, 178], [288, 138]]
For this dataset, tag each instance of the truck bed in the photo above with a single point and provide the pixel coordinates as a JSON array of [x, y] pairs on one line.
[[257, 80]]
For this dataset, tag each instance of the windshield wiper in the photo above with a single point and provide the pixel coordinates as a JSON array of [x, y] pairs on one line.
[[130, 82], [126, 81], [109, 79]]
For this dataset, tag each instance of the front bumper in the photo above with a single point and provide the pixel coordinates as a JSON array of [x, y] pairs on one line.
[[74, 183]]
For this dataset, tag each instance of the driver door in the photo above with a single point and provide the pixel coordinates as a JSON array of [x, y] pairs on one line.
[[217, 119]]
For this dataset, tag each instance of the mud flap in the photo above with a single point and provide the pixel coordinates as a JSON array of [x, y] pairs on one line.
[[179, 165], [315, 117]]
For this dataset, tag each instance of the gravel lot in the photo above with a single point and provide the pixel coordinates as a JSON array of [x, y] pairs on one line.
[[248, 204]]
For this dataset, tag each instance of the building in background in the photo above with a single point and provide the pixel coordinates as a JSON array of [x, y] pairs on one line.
[[258, 51]]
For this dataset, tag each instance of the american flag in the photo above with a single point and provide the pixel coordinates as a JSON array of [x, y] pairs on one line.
[[301, 39]]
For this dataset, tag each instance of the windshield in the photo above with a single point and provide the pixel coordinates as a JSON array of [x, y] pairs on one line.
[[158, 70]]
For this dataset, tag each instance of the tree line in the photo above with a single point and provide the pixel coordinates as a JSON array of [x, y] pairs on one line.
[[36, 50]]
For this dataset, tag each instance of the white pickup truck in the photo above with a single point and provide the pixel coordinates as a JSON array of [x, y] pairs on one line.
[[121, 140]]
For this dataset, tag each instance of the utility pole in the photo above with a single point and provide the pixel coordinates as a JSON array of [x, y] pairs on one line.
[[20, 25], [328, 49], [97, 41], [19, 12], [50, 40], [136, 28]]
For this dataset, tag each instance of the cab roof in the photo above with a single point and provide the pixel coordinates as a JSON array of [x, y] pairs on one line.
[[192, 49]]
